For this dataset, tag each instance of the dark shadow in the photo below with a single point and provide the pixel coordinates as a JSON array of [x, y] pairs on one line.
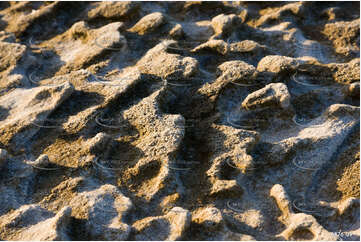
[[354, 100], [54, 22], [309, 102], [4, 113], [308, 105], [79, 229], [177, 100], [194, 148], [209, 61], [146, 172], [4, 5], [3, 24], [76, 103], [197, 11], [46, 180], [122, 153], [302, 234], [187, 101], [44, 137], [117, 126], [138, 46], [133, 95], [197, 143], [158, 229], [50, 65]]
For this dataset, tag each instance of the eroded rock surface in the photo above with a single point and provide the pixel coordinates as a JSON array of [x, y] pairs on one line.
[[179, 121]]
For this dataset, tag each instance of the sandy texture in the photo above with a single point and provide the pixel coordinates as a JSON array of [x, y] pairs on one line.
[[179, 121]]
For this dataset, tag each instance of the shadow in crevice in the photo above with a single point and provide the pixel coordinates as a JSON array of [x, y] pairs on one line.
[[52, 129], [194, 149], [3, 24], [4, 113], [76, 103], [145, 173], [79, 229], [48, 63], [190, 102], [54, 22], [125, 154], [158, 229], [138, 46], [203, 140], [4, 5], [134, 94], [45, 181], [197, 11], [176, 100], [54, 142]]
